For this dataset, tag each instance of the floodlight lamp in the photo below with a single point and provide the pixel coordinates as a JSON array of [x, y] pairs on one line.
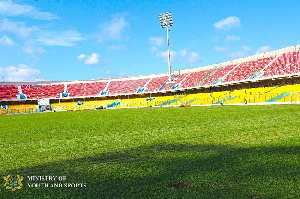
[[165, 19]]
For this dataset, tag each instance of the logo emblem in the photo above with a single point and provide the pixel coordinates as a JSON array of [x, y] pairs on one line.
[[13, 182]]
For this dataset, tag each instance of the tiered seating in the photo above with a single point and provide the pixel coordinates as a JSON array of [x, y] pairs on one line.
[[196, 99], [258, 66], [127, 86], [217, 75], [28, 108], [157, 101], [295, 62], [85, 106], [42, 91], [240, 72], [252, 95], [286, 64], [295, 93], [177, 79], [94, 88], [219, 96], [3, 111], [77, 89], [194, 78], [85, 89], [283, 92], [137, 102], [156, 83], [9, 92], [246, 70], [63, 106]]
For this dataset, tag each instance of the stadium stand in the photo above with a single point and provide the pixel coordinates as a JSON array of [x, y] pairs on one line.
[[287, 63], [126, 86], [8, 92], [176, 80], [246, 70], [85, 89], [156, 83], [21, 108], [283, 93], [272, 77], [38, 91], [194, 78], [217, 76]]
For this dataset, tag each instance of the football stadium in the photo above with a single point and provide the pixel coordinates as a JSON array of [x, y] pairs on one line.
[[266, 78], [223, 130]]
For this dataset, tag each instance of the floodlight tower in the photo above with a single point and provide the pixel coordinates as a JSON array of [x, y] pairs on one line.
[[166, 21]]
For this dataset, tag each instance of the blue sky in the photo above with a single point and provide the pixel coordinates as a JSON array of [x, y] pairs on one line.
[[61, 40]]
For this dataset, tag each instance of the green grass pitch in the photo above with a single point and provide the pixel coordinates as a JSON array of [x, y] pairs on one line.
[[182, 152]]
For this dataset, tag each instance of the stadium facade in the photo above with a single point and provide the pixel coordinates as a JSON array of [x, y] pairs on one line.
[[271, 77]]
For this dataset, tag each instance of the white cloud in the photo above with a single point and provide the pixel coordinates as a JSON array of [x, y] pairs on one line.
[[4, 40], [30, 47], [93, 59], [191, 57], [18, 28], [220, 49], [228, 23], [263, 49], [59, 38], [81, 57], [10, 8], [113, 30], [183, 52], [245, 52], [232, 38], [117, 47], [44, 37], [153, 49], [164, 55], [156, 41], [19, 73]]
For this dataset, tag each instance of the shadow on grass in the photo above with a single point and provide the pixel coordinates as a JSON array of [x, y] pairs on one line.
[[151, 172]]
